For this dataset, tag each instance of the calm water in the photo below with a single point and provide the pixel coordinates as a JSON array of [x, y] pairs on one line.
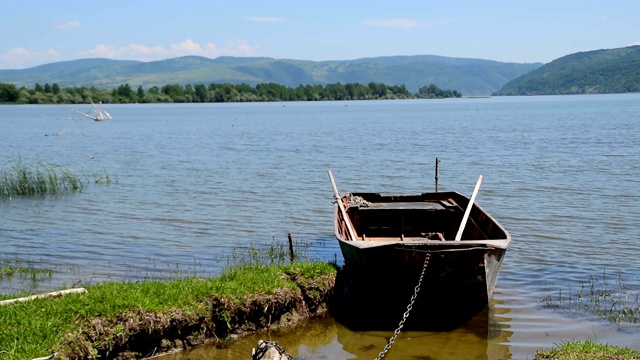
[[190, 183]]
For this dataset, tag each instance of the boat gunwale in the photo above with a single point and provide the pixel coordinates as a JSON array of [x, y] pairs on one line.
[[501, 243], [408, 242]]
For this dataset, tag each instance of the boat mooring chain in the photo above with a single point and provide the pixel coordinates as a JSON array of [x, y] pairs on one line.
[[264, 346], [405, 316]]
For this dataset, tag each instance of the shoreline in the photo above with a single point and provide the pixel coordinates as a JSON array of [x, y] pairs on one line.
[[214, 316], [219, 312]]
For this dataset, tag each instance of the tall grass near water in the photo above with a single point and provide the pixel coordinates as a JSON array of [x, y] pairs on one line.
[[37, 180], [10, 268], [273, 254], [609, 298]]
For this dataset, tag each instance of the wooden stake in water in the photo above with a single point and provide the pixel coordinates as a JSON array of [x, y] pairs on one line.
[[437, 162], [292, 255]]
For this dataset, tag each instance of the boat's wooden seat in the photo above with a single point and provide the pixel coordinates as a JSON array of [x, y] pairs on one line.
[[403, 220], [425, 205]]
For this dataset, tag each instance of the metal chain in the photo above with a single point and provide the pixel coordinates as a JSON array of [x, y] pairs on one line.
[[264, 346], [405, 316], [358, 201]]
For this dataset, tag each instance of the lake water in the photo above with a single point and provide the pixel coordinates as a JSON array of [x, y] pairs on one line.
[[190, 183]]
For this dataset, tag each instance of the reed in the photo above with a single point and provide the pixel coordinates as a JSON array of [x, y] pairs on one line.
[[24, 272], [10, 268], [102, 178], [37, 180], [613, 301], [275, 253]]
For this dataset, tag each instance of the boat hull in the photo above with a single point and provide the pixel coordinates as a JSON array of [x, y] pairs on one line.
[[381, 275], [457, 283]]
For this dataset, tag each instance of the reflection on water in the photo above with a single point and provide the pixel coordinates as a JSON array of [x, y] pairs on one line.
[[500, 332], [482, 338]]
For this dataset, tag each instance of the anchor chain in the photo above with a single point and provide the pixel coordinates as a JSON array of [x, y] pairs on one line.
[[270, 350], [405, 316]]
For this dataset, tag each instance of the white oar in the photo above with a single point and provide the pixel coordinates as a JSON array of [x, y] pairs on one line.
[[347, 220], [468, 211]]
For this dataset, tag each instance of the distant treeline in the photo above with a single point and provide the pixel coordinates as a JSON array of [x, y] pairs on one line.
[[199, 93]]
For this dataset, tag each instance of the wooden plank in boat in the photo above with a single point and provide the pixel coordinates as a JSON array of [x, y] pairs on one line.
[[423, 205]]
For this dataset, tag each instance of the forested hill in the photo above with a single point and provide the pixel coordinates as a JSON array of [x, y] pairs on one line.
[[593, 72], [467, 76]]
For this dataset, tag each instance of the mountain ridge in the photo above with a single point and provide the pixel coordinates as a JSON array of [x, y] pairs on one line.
[[466, 75], [601, 71]]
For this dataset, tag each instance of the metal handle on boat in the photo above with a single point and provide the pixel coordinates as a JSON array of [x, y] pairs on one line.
[[468, 211], [347, 220]]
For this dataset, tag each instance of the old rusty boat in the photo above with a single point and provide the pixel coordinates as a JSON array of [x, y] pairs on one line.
[[440, 249]]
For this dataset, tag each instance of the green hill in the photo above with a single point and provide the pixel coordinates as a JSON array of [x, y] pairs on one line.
[[467, 76], [593, 72]]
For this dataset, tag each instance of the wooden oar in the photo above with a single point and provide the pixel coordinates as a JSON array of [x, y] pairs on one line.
[[468, 211], [347, 220]]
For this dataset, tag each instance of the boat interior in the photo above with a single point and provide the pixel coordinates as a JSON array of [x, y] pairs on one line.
[[429, 216]]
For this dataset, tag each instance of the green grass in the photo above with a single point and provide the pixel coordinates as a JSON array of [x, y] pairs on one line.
[[35, 328], [25, 275], [33, 180], [276, 253], [587, 350]]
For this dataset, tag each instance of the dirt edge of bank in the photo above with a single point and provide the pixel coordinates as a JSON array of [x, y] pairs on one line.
[[142, 334]]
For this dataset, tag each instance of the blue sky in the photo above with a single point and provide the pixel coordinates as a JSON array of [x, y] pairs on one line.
[[38, 32]]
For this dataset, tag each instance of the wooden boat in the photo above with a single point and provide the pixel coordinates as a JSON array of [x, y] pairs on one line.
[[387, 239]]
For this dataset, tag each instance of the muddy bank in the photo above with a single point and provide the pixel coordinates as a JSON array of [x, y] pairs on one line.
[[138, 334]]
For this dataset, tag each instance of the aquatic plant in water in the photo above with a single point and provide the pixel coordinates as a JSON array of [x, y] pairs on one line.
[[42, 179], [276, 253], [33, 180], [614, 301], [23, 272]]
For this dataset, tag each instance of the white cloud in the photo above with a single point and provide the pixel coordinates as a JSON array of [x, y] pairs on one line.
[[233, 48], [188, 47], [212, 48], [131, 51], [265, 19], [102, 51], [399, 23], [65, 25], [20, 58], [134, 49]]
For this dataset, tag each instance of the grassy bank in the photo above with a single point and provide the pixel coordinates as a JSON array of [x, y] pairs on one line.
[[126, 320], [587, 350], [132, 320], [137, 319]]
